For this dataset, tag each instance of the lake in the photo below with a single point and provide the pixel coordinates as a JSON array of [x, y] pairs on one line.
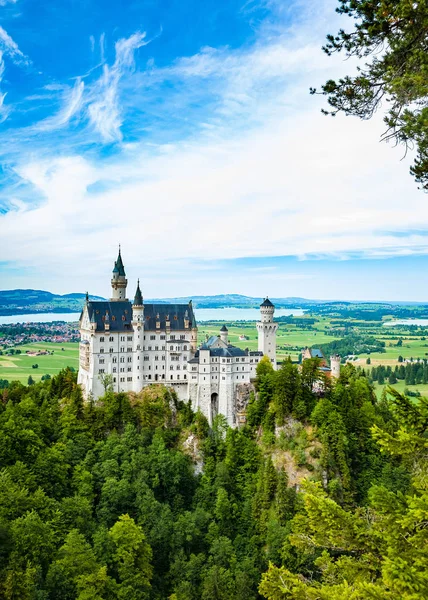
[[419, 322], [202, 315]]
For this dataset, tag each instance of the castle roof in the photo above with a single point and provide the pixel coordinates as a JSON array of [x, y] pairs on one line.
[[223, 352], [224, 328], [118, 266], [266, 302], [119, 315], [138, 299], [316, 353]]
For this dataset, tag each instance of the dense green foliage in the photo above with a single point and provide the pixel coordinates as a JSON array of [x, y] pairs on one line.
[[354, 344], [136, 497], [390, 38]]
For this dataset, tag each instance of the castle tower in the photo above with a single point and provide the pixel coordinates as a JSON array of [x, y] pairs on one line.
[[118, 281], [224, 334], [138, 327], [267, 329], [335, 366]]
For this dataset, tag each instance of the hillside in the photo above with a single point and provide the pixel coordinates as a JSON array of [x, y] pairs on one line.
[[21, 302]]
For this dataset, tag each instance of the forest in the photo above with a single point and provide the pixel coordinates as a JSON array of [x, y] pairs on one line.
[[319, 495]]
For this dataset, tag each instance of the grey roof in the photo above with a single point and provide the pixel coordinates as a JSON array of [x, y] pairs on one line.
[[224, 328], [175, 312], [119, 265], [138, 298], [255, 353], [266, 302], [316, 353], [119, 315], [224, 352]]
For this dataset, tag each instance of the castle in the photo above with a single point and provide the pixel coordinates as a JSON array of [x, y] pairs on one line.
[[132, 345]]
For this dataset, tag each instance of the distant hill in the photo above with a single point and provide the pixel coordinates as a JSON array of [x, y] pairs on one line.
[[21, 302], [236, 301]]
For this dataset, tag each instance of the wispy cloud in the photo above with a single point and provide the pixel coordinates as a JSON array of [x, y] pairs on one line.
[[4, 2], [71, 104], [4, 110], [10, 48], [104, 108]]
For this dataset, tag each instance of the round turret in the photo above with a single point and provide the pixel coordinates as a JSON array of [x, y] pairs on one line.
[[118, 280], [224, 332], [267, 310], [335, 366]]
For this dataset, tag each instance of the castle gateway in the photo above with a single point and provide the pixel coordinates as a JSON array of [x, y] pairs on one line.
[[133, 345]]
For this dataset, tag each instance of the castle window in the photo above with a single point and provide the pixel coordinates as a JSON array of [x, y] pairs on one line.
[[115, 359], [163, 356], [178, 367], [185, 376], [122, 379], [122, 338], [184, 347], [175, 318], [110, 350], [156, 357], [122, 349], [171, 377], [171, 348], [122, 369], [156, 347], [223, 378], [163, 347], [182, 337], [100, 370], [102, 350], [129, 369], [129, 378], [111, 339], [114, 379], [152, 337], [146, 358], [101, 361], [114, 369], [129, 358], [129, 338], [122, 359], [129, 349], [101, 338], [149, 348], [138, 346], [172, 337], [163, 375], [163, 337], [171, 367], [178, 376]]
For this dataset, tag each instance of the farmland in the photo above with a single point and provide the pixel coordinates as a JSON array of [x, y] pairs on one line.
[[408, 342]]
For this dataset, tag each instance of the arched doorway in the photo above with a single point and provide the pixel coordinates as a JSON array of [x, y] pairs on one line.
[[214, 406]]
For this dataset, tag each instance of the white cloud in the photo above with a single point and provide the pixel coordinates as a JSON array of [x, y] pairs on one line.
[[4, 2], [264, 175], [71, 104], [104, 109], [10, 48]]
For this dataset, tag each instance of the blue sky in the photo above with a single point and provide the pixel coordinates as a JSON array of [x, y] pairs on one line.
[[185, 131]]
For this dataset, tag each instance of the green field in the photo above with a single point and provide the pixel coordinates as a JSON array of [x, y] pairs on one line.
[[19, 367], [290, 341]]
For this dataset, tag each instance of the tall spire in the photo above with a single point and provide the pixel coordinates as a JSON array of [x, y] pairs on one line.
[[138, 299], [119, 265], [118, 280]]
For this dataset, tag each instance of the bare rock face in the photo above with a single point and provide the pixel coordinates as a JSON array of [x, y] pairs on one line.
[[242, 398]]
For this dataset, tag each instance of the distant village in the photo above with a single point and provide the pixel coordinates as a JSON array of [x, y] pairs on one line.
[[16, 334]]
